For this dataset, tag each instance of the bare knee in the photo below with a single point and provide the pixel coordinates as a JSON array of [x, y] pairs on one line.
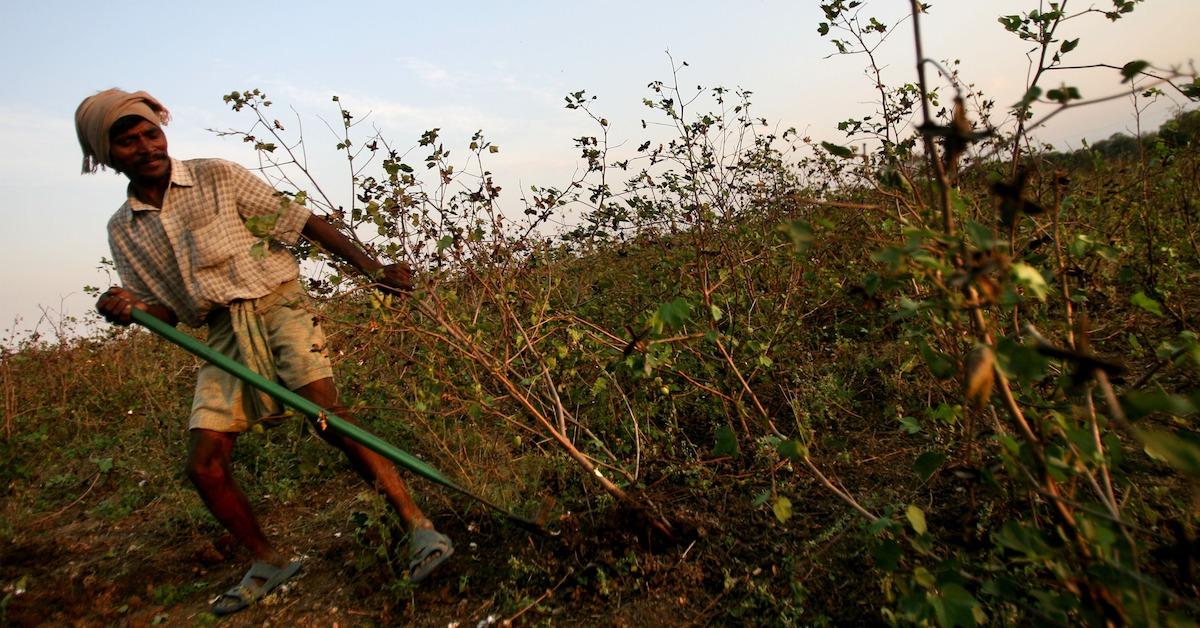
[[205, 473], [209, 458], [322, 392]]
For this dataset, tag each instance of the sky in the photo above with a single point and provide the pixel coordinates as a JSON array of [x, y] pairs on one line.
[[503, 67]]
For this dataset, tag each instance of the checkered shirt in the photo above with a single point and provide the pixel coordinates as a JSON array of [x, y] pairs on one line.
[[194, 254]]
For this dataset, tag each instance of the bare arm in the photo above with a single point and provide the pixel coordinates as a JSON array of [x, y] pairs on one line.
[[318, 231], [391, 277]]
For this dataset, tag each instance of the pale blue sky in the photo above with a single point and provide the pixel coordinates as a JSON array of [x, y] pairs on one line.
[[502, 67]]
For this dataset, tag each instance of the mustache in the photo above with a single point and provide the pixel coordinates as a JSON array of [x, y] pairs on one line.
[[150, 158]]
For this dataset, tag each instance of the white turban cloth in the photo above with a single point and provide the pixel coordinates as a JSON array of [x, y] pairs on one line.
[[96, 115]]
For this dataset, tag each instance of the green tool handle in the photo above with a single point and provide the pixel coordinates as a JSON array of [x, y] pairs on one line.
[[327, 419]]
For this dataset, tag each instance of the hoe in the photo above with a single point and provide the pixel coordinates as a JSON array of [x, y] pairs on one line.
[[322, 417]]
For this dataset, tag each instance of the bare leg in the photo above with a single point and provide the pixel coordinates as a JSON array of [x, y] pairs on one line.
[[209, 456], [375, 469]]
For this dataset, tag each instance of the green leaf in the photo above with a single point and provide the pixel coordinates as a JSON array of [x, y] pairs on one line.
[[1068, 45], [1081, 245], [1004, 587], [1020, 361], [1146, 303], [1183, 455], [800, 233], [1191, 90], [444, 243], [1031, 279], [922, 576], [916, 518], [980, 235], [939, 363], [726, 442], [910, 424], [1140, 403], [1132, 69], [1021, 538], [892, 179], [1184, 347], [1010, 444], [104, 464], [880, 524], [262, 226], [783, 509], [893, 256], [928, 463], [955, 606], [946, 413], [1084, 245], [1083, 439], [675, 313], [792, 450], [887, 555], [599, 386], [259, 250], [1064, 94], [1031, 95], [837, 151]]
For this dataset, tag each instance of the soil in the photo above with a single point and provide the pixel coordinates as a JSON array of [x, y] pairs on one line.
[[729, 562]]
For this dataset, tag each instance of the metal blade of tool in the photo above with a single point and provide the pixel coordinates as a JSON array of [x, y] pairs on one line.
[[324, 418]]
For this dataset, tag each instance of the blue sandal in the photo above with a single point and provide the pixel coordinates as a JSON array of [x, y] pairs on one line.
[[427, 548], [261, 579]]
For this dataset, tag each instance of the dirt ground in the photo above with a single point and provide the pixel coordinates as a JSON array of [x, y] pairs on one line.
[[73, 569]]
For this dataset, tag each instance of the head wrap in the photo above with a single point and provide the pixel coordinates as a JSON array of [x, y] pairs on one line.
[[96, 115]]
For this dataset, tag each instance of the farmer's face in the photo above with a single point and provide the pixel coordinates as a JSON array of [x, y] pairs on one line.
[[140, 152]]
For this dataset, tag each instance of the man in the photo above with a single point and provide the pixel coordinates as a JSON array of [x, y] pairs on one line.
[[184, 253]]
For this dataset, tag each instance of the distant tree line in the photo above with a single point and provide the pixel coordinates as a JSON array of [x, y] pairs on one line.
[[1182, 130]]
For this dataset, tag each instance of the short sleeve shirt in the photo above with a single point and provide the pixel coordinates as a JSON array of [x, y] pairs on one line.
[[197, 252]]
